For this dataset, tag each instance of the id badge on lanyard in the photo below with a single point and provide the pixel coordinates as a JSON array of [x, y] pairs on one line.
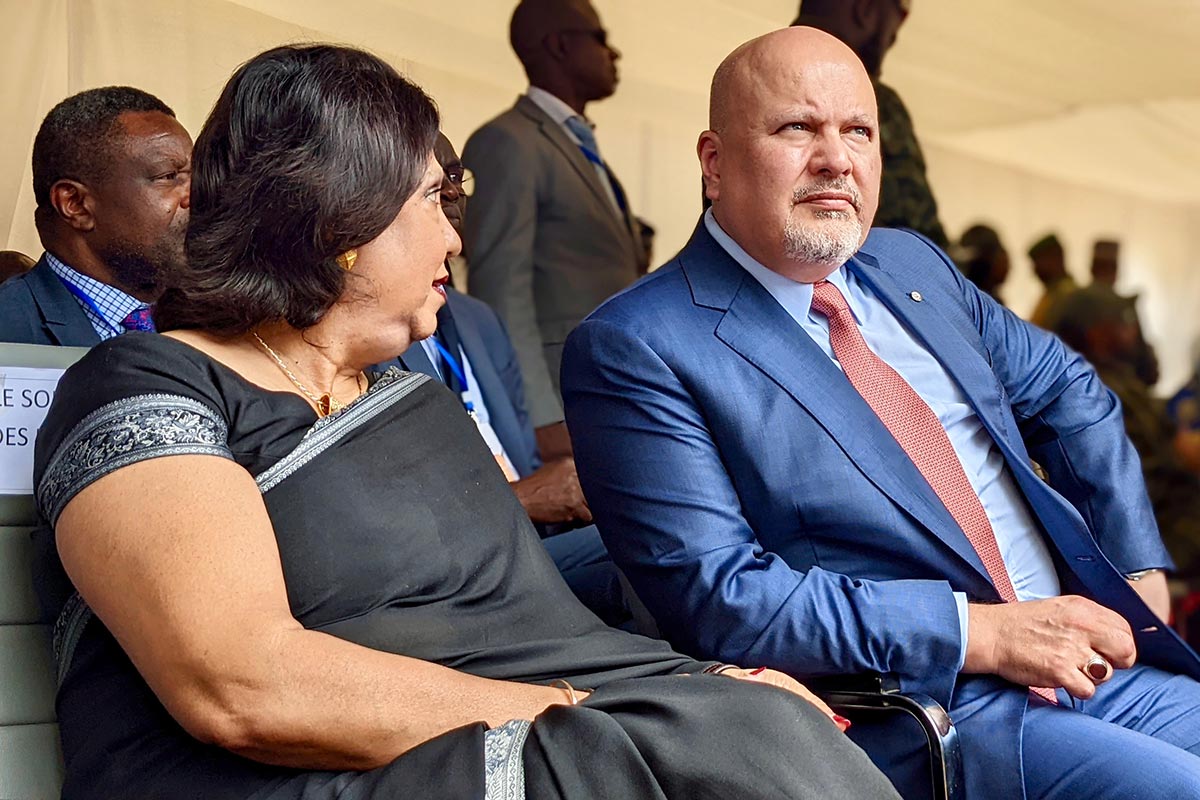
[[484, 428], [492, 440]]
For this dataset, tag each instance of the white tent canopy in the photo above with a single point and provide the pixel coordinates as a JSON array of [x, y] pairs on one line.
[[1070, 89], [1073, 115]]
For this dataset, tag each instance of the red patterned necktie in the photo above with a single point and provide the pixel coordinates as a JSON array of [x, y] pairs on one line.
[[140, 319], [918, 430]]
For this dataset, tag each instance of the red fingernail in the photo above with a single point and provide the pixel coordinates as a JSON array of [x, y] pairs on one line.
[[758, 671], [841, 722]]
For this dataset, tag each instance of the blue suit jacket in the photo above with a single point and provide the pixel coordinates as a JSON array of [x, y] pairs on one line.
[[766, 516], [35, 308], [494, 363]]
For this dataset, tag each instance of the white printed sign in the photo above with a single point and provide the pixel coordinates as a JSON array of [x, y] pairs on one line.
[[25, 395]]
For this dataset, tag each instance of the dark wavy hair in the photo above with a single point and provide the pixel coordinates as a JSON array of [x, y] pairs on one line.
[[310, 151]]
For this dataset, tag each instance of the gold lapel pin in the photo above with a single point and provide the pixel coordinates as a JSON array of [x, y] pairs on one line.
[[916, 296]]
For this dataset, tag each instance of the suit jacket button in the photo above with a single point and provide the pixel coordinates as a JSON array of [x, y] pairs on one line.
[[916, 296]]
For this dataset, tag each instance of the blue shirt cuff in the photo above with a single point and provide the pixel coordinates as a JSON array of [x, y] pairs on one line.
[[960, 599]]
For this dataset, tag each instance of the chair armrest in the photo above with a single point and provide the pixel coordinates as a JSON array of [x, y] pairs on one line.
[[871, 682], [876, 692]]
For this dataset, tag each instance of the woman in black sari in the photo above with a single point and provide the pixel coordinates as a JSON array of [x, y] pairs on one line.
[[282, 582]]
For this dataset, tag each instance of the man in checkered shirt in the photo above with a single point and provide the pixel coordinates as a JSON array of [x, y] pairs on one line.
[[111, 176]]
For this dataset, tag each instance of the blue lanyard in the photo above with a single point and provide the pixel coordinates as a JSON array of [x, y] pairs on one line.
[[89, 303], [457, 369], [592, 157], [595, 158]]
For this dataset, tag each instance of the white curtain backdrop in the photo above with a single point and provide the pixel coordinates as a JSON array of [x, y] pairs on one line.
[[1078, 116]]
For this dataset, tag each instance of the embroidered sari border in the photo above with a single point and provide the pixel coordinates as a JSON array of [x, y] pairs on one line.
[[125, 432], [388, 390]]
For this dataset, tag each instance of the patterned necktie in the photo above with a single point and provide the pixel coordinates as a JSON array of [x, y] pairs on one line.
[[139, 319], [918, 430], [591, 150]]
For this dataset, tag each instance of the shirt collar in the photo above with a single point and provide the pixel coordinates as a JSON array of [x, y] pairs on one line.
[[554, 107], [108, 301], [794, 296]]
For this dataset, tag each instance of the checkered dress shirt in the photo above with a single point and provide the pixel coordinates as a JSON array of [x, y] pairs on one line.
[[112, 304]]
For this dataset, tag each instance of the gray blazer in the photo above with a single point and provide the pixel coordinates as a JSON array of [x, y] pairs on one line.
[[544, 242]]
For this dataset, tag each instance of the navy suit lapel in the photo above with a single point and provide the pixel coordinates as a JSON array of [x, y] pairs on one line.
[[502, 420], [1087, 571], [757, 328], [415, 360], [65, 322], [501, 416], [973, 374], [966, 365]]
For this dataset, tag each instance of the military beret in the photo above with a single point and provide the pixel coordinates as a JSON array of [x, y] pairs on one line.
[[1106, 249], [1046, 244]]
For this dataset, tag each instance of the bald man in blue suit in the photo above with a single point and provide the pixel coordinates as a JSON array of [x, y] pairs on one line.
[[766, 514]]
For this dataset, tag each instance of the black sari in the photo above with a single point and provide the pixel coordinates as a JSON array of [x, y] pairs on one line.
[[397, 532]]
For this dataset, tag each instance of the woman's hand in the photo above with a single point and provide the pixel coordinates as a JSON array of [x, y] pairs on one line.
[[787, 683], [528, 700]]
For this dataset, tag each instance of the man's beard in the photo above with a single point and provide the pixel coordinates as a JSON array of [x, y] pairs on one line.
[[832, 238], [144, 271]]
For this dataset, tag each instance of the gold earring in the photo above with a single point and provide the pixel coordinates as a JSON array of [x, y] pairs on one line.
[[346, 260]]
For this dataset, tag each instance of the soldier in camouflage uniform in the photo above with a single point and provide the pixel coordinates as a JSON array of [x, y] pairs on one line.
[[1103, 327], [1050, 266], [982, 258], [869, 28], [905, 199], [1105, 263]]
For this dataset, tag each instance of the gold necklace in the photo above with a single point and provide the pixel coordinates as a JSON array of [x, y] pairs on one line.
[[326, 404]]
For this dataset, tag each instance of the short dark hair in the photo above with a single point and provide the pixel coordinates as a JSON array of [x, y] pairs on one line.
[[75, 139], [981, 239], [309, 152]]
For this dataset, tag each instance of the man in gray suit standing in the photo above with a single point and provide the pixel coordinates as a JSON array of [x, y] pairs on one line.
[[550, 235]]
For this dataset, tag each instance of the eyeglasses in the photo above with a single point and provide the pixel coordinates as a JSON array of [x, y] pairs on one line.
[[599, 34], [461, 178]]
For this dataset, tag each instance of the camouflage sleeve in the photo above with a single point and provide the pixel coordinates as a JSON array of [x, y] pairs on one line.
[[905, 199]]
